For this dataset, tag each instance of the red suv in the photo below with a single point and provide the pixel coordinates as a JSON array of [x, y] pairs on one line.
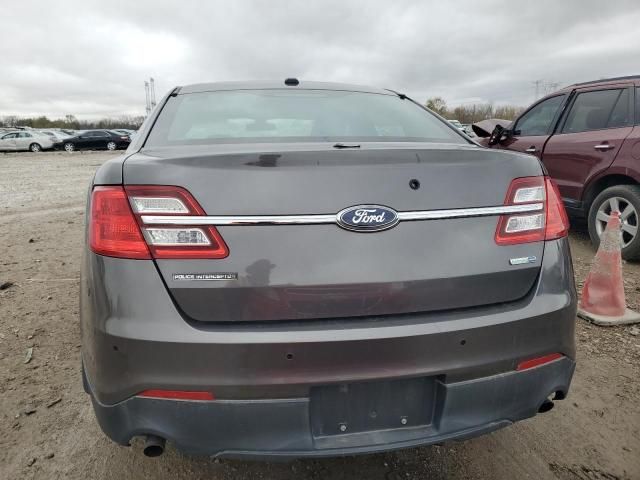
[[588, 137]]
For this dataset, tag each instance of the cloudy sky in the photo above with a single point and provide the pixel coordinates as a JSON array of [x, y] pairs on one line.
[[90, 58]]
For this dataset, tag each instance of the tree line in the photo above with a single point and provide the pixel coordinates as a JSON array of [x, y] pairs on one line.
[[474, 112], [464, 113], [72, 123]]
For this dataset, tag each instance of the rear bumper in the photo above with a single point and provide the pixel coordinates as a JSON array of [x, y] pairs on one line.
[[283, 427], [134, 339]]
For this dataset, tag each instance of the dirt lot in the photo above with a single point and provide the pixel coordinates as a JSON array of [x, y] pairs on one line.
[[47, 427]]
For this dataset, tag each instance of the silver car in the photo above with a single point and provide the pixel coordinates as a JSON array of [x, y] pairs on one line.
[[26, 141], [55, 135]]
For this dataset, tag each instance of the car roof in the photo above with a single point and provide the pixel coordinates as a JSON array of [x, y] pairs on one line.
[[630, 79], [264, 85]]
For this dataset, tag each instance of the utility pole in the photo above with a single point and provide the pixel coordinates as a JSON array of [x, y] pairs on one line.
[[544, 87], [150, 95], [537, 83], [146, 93], [153, 92], [551, 87]]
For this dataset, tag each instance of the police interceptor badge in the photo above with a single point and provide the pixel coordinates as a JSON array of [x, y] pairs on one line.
[[206, 276]]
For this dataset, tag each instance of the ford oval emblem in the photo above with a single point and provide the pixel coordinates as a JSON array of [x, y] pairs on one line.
[[367, 218]]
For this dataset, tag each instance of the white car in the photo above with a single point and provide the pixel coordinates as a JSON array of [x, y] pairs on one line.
[[456, 124], [55, 135], [26, 141]]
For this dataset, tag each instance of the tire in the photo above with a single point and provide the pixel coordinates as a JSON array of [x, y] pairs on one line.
[[35, 147], [112, 146], [627, 200], [69, 147]]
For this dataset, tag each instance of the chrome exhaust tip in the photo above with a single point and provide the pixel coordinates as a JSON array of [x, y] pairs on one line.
[[153, 446]]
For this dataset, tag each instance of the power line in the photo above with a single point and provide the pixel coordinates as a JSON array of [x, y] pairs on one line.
[[544, 87]]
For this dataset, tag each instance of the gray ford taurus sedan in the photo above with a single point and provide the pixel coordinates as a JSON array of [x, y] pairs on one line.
[[309, 269]]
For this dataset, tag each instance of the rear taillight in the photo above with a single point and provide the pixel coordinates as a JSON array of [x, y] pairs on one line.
[[174, 241], [160, 241], [113, 230], [557, 219], [547, 223]]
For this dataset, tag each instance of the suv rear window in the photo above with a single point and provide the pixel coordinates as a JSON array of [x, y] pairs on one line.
[[241, 116], [598, 110]]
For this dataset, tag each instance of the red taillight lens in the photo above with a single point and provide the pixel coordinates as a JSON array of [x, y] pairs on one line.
[[177, 394], [535, 362], [557, 219], [113, 230], [117, 229], [548, 223]]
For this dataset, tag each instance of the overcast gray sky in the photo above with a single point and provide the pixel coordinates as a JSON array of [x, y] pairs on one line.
[[90, 58]]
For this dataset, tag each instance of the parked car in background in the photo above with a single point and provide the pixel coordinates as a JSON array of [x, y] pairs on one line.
[[588, 137], [463, 128], [466, 128], [123, 131], [96, 140], [56, 136], [25, 140], [311, 269], [456, 124]]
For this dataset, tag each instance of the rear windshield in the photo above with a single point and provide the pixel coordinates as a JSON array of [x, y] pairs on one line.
[[243, 116]]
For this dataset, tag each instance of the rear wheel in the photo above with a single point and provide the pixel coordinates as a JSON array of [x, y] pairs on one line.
[[35, 147], [111, 146], [626, 200], [69, 147]]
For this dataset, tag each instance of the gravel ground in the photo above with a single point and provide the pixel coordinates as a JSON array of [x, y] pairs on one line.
[[47, 427]]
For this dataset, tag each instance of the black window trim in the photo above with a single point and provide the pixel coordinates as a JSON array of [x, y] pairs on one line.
[[636, 100], [577, 92], [554, 120]]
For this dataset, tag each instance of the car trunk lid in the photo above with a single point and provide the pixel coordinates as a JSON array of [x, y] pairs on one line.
[[318, 271]]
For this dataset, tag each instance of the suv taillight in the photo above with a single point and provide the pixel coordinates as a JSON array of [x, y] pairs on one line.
[[548, 223], [116, 229]]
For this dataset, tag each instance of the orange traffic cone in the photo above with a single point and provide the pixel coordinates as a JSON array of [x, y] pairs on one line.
[[603, 301]]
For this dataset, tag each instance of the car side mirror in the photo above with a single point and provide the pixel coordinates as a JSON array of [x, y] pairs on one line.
[[499, 135]]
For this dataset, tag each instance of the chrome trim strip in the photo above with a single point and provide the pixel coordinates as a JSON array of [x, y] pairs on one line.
[[469, 212], [332, 218]]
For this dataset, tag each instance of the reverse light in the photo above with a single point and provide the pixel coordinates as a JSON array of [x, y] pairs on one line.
[[176, 236], [523, 223], [547, 224], [529, 194], [155, 205]]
